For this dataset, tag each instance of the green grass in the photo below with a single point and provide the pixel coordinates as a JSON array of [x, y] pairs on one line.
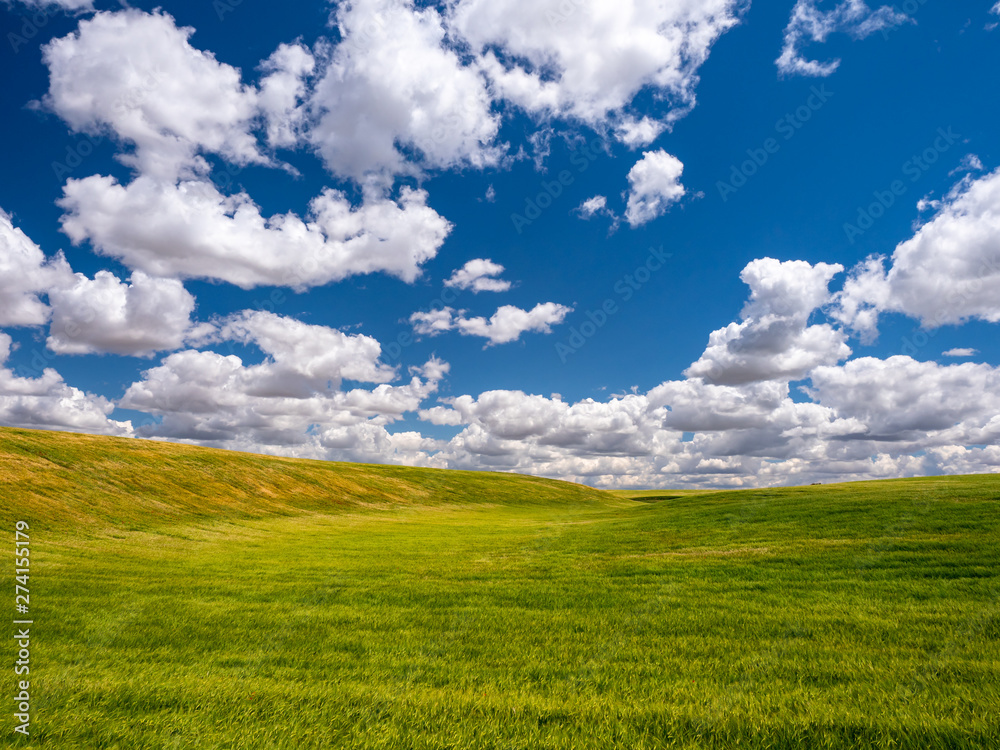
[[186, 598]]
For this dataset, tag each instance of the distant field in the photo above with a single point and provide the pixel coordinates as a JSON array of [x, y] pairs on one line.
[[651, 496], [188, 598]]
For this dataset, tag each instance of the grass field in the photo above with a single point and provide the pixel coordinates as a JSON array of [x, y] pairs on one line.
[[188, 598]]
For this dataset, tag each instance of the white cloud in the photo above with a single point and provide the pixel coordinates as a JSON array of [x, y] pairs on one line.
[[947, 273], [135, 74], [592, 206], [638, 132], [307, 358], [774, 339], [47, 402], [191, 230], [515, 423], [969, 163], [636, 439], [810, 24], [509, 322], [392, 84], [25, 273], [770, 349], [505, 325], [654, 186], [433, 322], [104, 314], [902, 400], [597, 205], [864, 296], [725, 411], [479, 276], [962, 352], [283, 91], [587, 60], [292, 402], [868, 420], [88, 315]]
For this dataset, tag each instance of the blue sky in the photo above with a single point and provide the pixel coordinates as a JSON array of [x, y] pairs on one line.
[[631, 244]]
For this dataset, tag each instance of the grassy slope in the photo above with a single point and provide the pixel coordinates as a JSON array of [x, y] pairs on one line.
[[79, 481], [842, 616]]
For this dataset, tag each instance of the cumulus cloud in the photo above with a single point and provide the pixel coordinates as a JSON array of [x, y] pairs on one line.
[[868, 418], [587, 60], [508, 425], [392, 84], [191, 230], [306, 358], [638, 132], [900, 399], [283, 92], [25, 274], [654, 186], [433, 322], [638, 439], [722, 411], [774, 339], [217, 399], [46, 402], [946, 273], [99, 315], [404, 88], [960, 352], [509, 322], [505, 325], [810, 24], [479, 275], [106, 315], [292, 402], [135, 75], [592, 206]]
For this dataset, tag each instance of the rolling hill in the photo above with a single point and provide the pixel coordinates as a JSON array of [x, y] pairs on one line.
[[69, 479]]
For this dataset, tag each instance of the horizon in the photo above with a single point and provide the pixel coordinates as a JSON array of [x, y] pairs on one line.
[[707, 488]]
